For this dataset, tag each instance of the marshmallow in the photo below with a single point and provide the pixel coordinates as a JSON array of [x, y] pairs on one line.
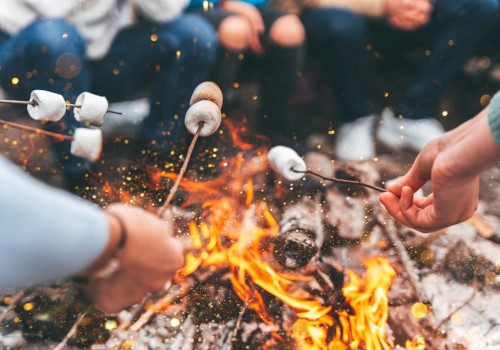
[[283, 159], [92, 108], [207, 91], [87, 143], [205, 112], [48, 106]]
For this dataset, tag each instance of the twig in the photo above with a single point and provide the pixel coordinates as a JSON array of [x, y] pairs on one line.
[[11, 306], [159, 305], [181, 173], [125, 324], [57, 136], [341, 181], [464, 304], [405, 259], [71, 332], [240, 318]]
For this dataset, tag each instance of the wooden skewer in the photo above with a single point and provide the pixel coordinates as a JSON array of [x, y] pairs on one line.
[[57, 136], [181, 172], [341, 181], [33, 103]]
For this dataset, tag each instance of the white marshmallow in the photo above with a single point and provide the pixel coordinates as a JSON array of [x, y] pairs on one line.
[[87, 143], [205, 112], [93, 108], [283, 159], [207, 91], [48, 106]]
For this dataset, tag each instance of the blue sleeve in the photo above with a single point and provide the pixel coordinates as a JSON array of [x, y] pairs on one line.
[[45, 233], [494, 116], [199, 3]]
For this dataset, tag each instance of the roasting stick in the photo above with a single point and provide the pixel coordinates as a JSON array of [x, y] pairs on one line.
[[203, 118], [181, 172], [33, 103], [340, 181], [59, 137]]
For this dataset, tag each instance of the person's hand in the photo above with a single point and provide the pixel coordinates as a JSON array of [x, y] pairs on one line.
[[454, 198], [252, 14], [452, 163], [148, 261], [408, 14]]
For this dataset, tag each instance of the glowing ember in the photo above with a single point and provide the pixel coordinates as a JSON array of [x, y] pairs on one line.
[[233, 233]]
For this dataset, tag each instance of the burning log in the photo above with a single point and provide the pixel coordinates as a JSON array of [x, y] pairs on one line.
[[301, 235]]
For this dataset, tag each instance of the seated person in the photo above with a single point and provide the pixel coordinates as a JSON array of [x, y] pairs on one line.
[[274, 39], [337, 31], [108, 47], [47, 234]]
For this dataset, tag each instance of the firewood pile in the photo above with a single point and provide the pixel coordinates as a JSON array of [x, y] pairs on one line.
[[278, 265]]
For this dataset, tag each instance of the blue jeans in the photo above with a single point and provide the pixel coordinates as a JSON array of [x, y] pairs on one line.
[[337, 39], [50, 55]]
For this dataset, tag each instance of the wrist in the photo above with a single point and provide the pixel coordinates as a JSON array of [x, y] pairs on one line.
[[116, 241]]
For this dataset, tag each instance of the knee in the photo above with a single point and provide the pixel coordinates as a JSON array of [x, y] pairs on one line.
[[234, 32], [55, 37], [287, 31]]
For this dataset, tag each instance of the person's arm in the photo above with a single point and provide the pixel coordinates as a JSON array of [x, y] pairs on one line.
[[161, 10], [453, 164], [370, 8], [45, 234]]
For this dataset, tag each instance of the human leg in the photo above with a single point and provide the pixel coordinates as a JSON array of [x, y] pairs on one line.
[[48, 55], [336, 39], [279, 67], [168, 59]]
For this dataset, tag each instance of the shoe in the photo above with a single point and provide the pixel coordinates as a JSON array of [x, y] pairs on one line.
[[414, 134], [355, 141]]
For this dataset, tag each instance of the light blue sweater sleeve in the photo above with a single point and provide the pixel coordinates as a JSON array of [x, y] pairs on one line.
[[45, 233], [494, 116]]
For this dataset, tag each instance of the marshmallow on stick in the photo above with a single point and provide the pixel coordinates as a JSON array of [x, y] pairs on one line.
[[87, 143], [90, 108], [46, 105], [284, 161], [205, 112], [207, 91]]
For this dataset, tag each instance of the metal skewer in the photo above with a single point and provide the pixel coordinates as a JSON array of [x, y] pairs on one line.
[[33, 103]]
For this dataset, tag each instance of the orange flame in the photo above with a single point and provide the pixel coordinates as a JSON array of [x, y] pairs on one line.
[[232, 233]]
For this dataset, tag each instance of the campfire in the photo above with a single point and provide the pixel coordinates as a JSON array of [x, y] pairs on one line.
[[273, 264]]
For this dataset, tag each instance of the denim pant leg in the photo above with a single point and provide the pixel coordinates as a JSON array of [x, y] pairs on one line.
[[48, 55], [456, 27], [336, 39], [169, 59]]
